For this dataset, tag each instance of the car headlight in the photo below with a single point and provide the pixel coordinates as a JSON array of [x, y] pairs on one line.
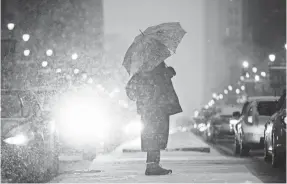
[[20, 139], [285, 120], [20, 135], [134, 128]]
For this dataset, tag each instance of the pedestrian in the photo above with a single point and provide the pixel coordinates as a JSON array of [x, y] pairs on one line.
[[156, 101]]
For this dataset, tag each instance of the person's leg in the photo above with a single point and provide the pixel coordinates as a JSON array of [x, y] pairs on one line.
[[153, 157], [153, 167]]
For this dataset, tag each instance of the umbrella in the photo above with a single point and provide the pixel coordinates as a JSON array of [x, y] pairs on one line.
[[152, 47]]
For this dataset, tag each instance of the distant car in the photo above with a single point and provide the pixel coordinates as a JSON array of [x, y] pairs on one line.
[[218, 127], [249, 129], [29, 139], [275, 135]]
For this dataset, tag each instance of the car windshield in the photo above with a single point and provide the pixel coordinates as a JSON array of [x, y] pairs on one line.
[[267, 108], [10, 106]]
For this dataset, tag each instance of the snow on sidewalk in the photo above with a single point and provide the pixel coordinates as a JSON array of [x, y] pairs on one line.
[[182, 140]]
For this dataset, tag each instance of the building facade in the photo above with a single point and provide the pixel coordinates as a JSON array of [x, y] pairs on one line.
[[66, 40], [224, 36]]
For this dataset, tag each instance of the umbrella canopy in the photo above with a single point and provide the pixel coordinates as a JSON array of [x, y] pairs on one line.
[[152, 47]]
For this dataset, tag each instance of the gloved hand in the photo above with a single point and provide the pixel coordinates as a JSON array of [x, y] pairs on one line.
[[171, 72]]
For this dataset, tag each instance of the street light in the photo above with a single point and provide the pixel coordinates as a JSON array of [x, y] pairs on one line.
[[221, 96], [49, 52], [10, 26], [245, 64], [90, 81], [242, 78], [76, 71], [263, 74], [257, 78], [59, 70], [74, 56], [237, 91], [226, 91], [247, 75], [214, 95], [285, 46], [85, 76], [196, 113], [206, 106], [44, 64], [242, 88], [26, 37], [26, 52], [272, 57], [254, 69], [230, 88]]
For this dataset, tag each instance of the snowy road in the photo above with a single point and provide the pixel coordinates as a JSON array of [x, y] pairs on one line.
[[188, 166]]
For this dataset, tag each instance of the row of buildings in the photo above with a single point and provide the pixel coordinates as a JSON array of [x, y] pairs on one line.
[[237, 31]]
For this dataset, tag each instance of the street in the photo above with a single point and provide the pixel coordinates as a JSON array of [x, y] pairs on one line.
[[200, 163]]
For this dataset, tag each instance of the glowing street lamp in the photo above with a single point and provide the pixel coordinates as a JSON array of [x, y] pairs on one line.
[[257, 78], [75, 56], [285, 46], [242, 78], [272, 57], [26, 52], [254, 69], [226, 91], [242, 88], [196, 113], [44, 64], [247, 75], [90, 81], [26, 37], [230, 88], [206, 107], [220, 96], [76, 71], [263, 74], [84, 76], [59, 70], [49, 52], [237, 91], [10, 26], [245, 64], [214, 95]]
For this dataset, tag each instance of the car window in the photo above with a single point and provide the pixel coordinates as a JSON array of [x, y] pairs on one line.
[[267, 108], [10, 106], [244, 108], [250, 110]]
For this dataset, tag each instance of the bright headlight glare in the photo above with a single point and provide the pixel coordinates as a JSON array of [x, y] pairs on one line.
[[20, 139], [84, 118], [134, 128]]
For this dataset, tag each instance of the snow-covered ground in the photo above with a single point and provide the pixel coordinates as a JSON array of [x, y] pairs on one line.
[[199, 167]]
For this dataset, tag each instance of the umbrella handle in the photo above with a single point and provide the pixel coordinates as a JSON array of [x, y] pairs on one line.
[[142, 32]]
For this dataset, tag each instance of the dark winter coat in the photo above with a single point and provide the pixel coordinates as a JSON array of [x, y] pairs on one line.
[[156, 100]]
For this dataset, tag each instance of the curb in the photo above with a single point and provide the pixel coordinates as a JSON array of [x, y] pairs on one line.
[[194, 149]]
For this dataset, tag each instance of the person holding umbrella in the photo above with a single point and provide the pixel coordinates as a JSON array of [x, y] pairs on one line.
[[152, 89]]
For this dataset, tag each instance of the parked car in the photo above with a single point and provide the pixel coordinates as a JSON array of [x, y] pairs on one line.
[[275, 135], [29, 139], [249, 129]]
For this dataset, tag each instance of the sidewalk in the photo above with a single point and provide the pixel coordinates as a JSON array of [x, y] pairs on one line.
[[188, 167], [183, 141]]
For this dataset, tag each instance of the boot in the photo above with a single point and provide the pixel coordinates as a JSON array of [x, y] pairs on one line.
[[156, 169]]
